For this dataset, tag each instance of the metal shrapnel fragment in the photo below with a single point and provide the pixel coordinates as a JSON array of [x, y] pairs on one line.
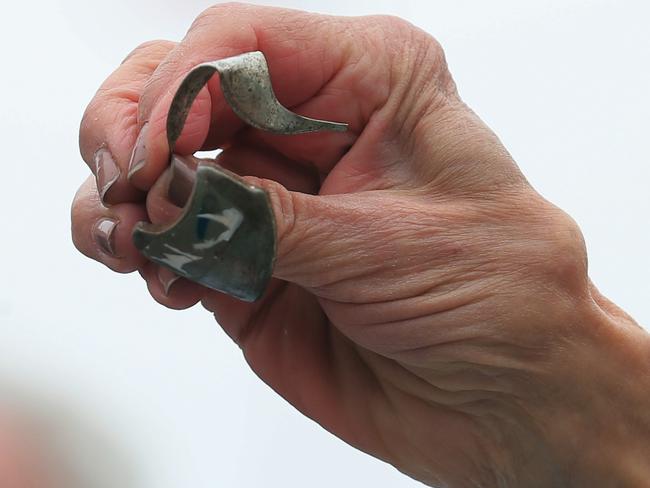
[[225, 237], [246, 86]]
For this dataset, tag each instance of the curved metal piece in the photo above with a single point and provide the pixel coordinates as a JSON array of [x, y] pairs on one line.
[[224, 239], [246, 86]]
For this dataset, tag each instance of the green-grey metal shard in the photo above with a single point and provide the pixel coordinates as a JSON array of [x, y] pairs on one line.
[[246, 86], [224, 239]]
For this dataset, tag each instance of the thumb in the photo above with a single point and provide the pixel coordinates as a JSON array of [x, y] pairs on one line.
[[328, 240], [339, 246], [319, 239]]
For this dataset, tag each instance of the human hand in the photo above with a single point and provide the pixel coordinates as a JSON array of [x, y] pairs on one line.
[[428, 306]]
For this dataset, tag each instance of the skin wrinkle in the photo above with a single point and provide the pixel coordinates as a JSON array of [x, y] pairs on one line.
[[398, 56], [373, 276], [466, 376], [503, 428], [113, 113], [110, 95], [358, 69], [428, 102], [465, 345], [423, 304], [386, 387], [440, 396], [422, 335], [338, 181], [381, 388], [381, 266], [464, 349]]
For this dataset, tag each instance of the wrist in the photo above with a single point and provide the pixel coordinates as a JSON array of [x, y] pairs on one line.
[[599, 416]]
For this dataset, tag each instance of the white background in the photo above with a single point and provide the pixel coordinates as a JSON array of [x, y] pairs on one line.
[[134, 395]]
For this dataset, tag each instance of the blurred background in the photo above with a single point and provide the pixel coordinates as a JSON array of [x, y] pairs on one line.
[[123, 393]]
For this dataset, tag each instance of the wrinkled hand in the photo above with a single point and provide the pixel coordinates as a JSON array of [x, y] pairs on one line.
[[428, 306]]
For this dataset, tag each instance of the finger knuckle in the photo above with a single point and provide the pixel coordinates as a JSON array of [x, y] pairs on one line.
[[415, 59], [90, 118], [557, 254], [106, 110], [149, 48], [422, 52], [418, 74], [403, 34], [78, 227], [396, 25], [218, 11], [86, 131], [76, 234], [567, 254], [152, 86]]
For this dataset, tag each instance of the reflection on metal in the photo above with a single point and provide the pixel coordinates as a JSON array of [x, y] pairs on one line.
[[225, 237], [246, 86]]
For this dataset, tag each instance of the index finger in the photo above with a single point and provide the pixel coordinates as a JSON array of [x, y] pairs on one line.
[[108, 128], [331, 68]]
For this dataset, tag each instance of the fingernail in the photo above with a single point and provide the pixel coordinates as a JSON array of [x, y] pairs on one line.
[[167, 278], [104, 233], [106, 171], [182, 181], [139, 154]]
